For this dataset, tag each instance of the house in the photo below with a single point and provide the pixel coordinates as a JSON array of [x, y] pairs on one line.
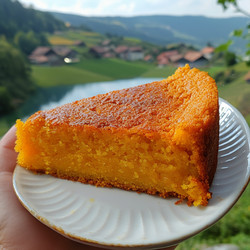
[[178, 60], [195, 59], [148, 58], [168, 54], [163, 61], [68, 55], [45, 56], [135, 53], [121, 51], [129, 53], [208, 52], [53, 56], [247, 77], [164, 57], [99, 51]]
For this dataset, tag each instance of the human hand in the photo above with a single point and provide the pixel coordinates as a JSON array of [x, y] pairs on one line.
[[19, 230]]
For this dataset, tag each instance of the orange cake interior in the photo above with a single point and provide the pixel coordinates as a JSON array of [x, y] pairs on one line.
[[159, 138]]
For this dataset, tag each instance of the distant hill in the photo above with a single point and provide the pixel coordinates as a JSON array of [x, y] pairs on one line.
[[15, 18], [161, 29]]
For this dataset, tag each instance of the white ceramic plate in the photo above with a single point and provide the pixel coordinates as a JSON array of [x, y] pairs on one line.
[[115, 218]]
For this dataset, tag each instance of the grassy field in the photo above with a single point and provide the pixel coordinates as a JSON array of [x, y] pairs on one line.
[[64, 75], [88, 71], [115, 68], [58, 40], [235, 91], [69, 36], [90, 38]]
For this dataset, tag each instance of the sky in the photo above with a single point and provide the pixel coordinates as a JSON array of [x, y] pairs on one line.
[[208, 8]]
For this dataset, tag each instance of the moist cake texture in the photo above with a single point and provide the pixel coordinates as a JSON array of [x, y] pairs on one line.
[[159, 138]]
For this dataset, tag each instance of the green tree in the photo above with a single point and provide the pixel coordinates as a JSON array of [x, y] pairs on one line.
[[27, 42], [5, 100], [15, 81], [230, 58], [14, 17]]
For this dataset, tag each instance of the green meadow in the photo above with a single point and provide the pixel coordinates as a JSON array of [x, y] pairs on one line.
[[114, 68], [46, 77], [67, 37], [88, 70]]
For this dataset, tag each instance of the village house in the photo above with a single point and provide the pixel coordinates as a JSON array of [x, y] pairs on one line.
[[208, 52], [162, 61], [45, 56], [129, 53], [135, 53], [148, 58], [68, 55], [167, 54], [99, 51], [121, 52], [178, 60], [195, 59], [53, 56], [164, 58]]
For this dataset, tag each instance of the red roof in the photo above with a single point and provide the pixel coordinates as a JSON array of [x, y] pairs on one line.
[[121, 49], [163, 61], [207, 50], [148, 58], [41, 51], [167, 54], [62, 51], [192, 56], [176, 58]]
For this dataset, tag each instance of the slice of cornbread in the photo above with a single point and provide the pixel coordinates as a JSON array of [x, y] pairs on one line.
[[159, 138]]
